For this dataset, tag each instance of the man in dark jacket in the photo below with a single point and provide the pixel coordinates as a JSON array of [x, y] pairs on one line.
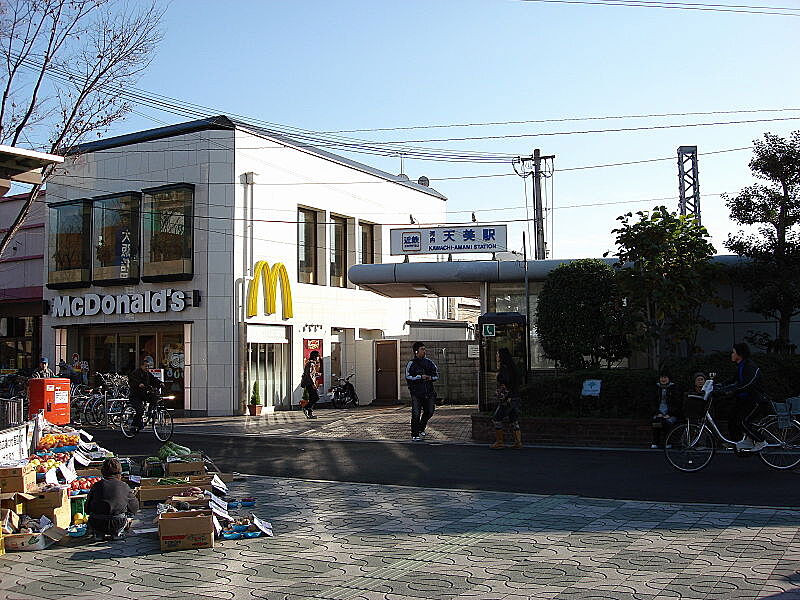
[[421, 372], [110, 502], [667, 402], [748, 391], [44, 370], [141, 383]]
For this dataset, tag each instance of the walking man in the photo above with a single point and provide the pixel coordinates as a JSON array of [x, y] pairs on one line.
[[421, 372]]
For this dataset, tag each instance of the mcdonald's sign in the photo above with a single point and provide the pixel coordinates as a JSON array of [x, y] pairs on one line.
[[269, 277]]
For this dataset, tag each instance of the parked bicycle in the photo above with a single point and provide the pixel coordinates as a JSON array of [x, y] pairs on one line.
[[343, 394], [155, 415], [691, 445]]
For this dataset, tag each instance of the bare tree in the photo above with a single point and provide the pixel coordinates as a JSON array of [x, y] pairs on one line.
[[63, 61]]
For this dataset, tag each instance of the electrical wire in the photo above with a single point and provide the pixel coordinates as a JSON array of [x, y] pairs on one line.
[[728, 8]]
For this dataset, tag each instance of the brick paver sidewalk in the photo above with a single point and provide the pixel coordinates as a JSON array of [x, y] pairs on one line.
[[360, 541], [449, 424]]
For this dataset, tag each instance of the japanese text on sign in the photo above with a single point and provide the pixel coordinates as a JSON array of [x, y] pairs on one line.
[[449, 240]]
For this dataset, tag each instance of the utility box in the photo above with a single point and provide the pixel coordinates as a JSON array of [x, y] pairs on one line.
[[50, 395]]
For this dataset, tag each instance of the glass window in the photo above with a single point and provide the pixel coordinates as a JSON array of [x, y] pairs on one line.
[[306, 246], [115, 249], [367, 243], [338, 251], [68, 245], [167, 233]]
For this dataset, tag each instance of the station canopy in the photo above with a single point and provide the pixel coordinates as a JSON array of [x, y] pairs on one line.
[[445, 279]]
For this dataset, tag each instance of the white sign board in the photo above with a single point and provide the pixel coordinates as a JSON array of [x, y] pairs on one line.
[[449, 240], [473, 351], [13, 445]]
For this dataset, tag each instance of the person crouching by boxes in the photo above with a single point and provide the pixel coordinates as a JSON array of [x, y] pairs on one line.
[[110, 503]]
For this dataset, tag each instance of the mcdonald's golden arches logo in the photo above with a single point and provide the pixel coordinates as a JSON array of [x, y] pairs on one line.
[[269, 278]]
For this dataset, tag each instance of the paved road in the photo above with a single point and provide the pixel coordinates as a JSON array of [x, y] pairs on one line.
[[635, 475]]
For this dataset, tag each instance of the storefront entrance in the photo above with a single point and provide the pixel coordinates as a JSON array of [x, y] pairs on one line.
[[268, 369], [119, 350]]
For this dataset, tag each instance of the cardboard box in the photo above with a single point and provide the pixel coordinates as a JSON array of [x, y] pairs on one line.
[[17, 479], [21, 542], [9, 521], [15, 501], [158, 493], [88, 473], [193, 501], [55, 505], [182, 469], [186, 530]]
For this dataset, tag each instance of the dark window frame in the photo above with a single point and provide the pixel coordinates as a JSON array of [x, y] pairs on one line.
[[86, 236], [362, 227], [336, 253], [312, 275], [136, 252], [188, 224]]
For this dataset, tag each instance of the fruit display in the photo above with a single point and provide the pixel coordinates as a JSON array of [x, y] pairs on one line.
[[82, 485], [58, 440], [43, 464], [80, 519]]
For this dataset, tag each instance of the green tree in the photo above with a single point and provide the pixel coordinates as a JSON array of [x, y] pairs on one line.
[[772, 245], [580, 317], [664, 272]]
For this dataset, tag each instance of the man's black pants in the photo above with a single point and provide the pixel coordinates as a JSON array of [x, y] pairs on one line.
[[421, 411], [745, 411], [138, 405]]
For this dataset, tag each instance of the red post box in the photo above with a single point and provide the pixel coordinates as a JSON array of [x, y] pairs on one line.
[[50, 395]]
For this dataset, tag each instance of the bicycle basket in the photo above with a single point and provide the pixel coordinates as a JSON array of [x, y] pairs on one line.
[[784, 411], [694, 406]]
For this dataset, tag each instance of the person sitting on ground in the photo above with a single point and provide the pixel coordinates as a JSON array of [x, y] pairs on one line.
[[110, 503], [667, 403]]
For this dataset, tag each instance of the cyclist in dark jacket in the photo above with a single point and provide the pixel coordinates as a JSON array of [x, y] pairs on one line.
[[747, 388], [421, 372], [141, 383]]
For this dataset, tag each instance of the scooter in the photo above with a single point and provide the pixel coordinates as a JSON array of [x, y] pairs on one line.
[[344, 393]]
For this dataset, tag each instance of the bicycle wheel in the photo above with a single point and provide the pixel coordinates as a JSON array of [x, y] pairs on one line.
[[89, 415], [162, 425], [126, 421], [689, 449], [783, 451]]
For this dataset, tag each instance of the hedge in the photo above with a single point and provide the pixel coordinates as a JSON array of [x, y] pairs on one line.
[[628, 393]]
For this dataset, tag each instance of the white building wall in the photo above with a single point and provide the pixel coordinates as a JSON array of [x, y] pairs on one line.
[[237, 224]]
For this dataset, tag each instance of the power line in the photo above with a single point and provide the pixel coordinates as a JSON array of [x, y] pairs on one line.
[[566, 119], [728, 8]]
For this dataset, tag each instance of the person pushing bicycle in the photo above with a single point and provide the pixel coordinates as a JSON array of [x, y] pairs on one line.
[[747, 388], [142, 383]]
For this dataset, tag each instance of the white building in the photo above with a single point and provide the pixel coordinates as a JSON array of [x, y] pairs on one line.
[[154, 239]]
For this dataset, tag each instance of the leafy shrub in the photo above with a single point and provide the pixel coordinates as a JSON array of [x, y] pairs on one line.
[[628, 393]]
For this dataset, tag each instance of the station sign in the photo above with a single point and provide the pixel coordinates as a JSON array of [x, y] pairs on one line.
[[449, 240]]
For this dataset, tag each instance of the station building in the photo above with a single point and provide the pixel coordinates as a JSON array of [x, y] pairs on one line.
[[220, 251]]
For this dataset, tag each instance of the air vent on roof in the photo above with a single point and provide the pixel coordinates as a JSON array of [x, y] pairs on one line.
[[424, 181]]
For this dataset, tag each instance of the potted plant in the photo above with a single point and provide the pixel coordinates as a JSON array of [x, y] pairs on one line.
[[254, 408]]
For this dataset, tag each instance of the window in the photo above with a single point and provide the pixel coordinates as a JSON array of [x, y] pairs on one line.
[[167, 233], [68, 245], [115, 245], [306, 246], [367, 243], [338, 251]]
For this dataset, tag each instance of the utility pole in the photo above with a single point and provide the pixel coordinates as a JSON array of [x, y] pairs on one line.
[[533, 166], [688, 182]]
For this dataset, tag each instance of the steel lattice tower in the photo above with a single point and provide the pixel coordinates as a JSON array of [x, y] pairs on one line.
[[688, 181]]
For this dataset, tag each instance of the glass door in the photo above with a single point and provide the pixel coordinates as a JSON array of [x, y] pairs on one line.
[[268, 369]]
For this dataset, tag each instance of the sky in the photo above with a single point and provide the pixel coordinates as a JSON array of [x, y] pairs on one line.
[[364, 64]]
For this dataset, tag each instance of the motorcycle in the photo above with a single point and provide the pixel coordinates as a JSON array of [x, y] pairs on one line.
[[343, 394]]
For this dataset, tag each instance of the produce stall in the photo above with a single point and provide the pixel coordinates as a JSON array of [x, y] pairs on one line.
[[180, 491]]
